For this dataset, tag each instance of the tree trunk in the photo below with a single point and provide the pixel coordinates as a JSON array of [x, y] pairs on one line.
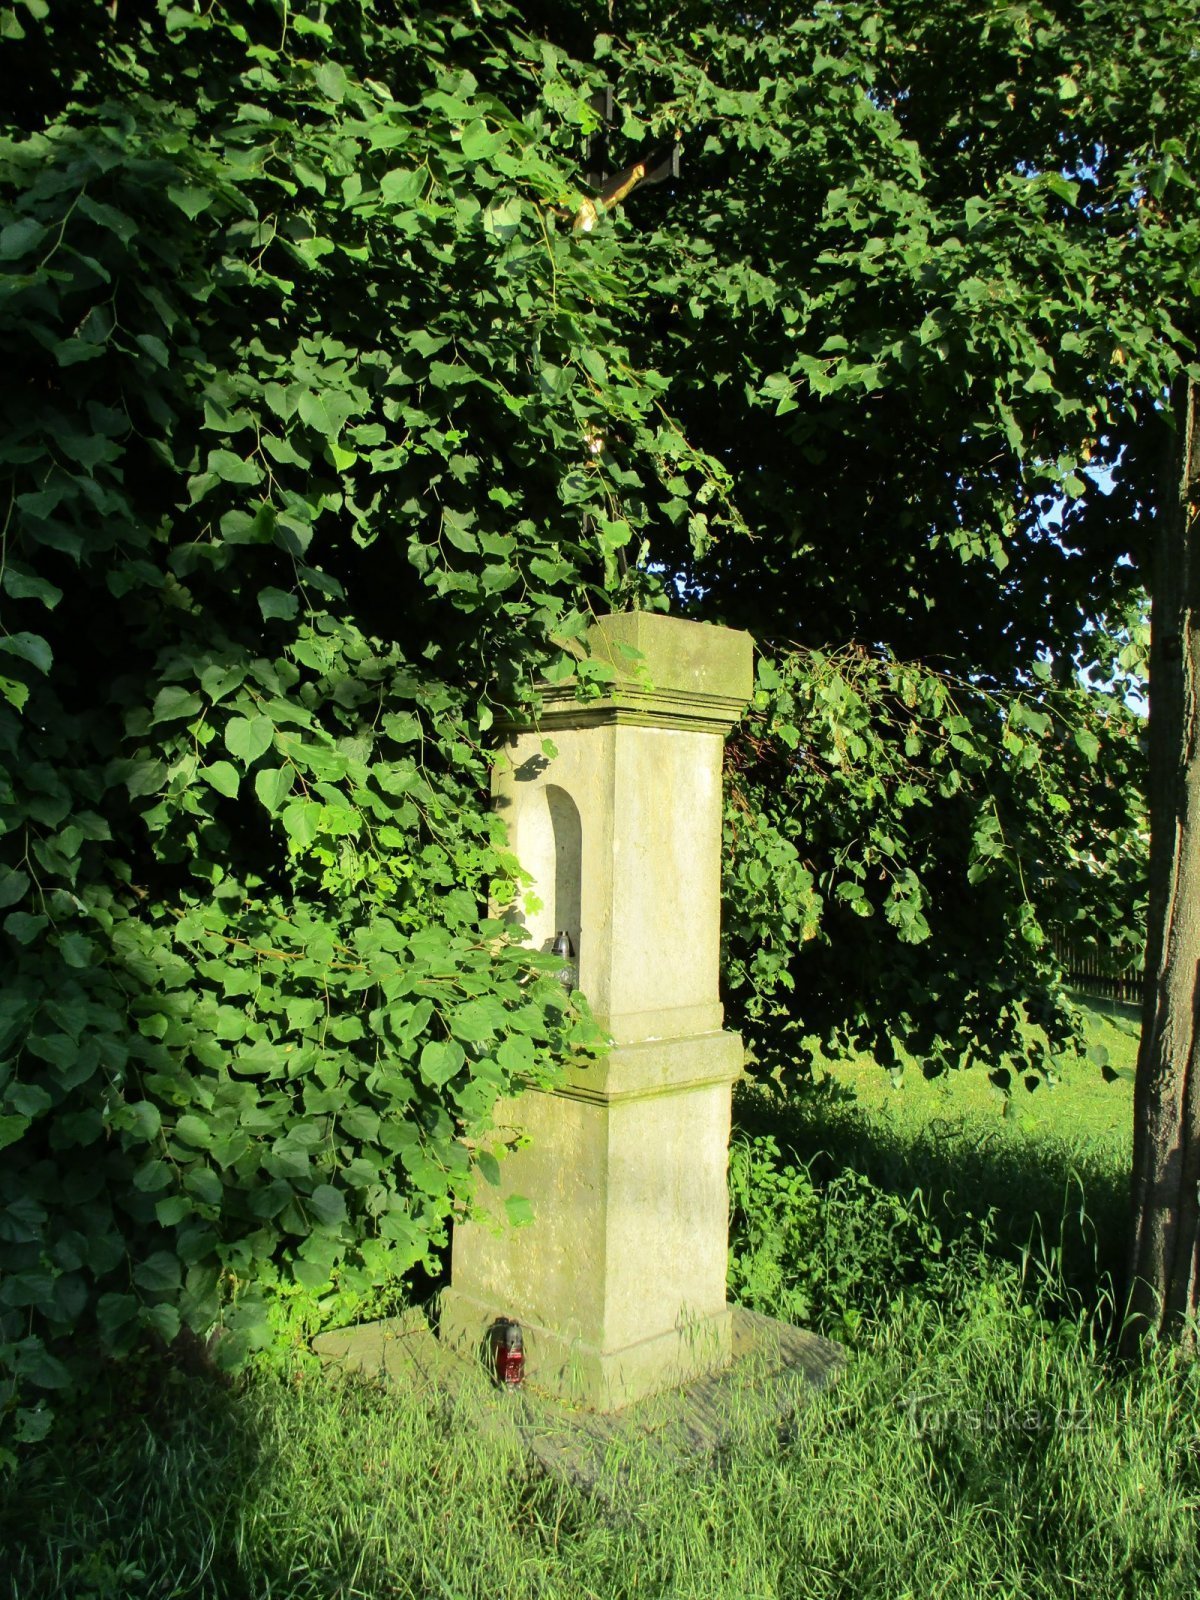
[[1165, 1246]]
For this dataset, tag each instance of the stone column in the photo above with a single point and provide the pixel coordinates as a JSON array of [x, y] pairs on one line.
[[619, 1281]]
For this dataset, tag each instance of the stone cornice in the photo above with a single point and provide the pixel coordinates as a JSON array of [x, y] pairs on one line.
[[632, 707], [668, 674]]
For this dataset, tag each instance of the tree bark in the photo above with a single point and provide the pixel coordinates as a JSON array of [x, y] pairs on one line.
[[1164, 1262]]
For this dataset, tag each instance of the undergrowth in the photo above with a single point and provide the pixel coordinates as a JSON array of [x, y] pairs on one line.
[[875, 1209]]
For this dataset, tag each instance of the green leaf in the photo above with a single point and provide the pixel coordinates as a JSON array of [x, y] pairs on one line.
[[15, 693], [13, 886], [477, 1020], [12, 1129], [311, 1275], [302, 821], [516, 1054], [1087, 743], [277, 603], [401, 185], [173, 703], [145, 1119], [162, 1320], [152, 1176], [331, 79], [247, 738], [328, 1205], [217, 681], [193, 1130], [270, 1200], [273, 784], [76, 949], [520, 1212], [45, 1371], [24, 926], [440, 1061], [29, 647], [402, 726], [326, 412], [223, 776], [27, 1099], [159, 1273], [426, 343], [503, 220], [478, 142], [115, 1312], [31, 586], [248, 527], [145, 777], [20, 236], [155, 348], [190, 200], [204, 1183], [231, 468]]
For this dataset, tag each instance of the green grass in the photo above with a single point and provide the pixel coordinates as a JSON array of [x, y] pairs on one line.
[[1084, 1103], [981, 1442]]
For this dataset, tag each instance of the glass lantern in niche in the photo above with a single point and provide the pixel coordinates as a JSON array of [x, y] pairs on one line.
[[562, 947]]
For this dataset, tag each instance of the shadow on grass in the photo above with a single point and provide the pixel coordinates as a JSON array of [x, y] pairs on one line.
[[132, 1495], [1056, 1209], [306, 1487]]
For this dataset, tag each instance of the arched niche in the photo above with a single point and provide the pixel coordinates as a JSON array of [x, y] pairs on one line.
[[550, 848]]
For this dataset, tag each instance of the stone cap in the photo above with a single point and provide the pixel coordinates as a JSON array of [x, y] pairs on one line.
[[685, 674]]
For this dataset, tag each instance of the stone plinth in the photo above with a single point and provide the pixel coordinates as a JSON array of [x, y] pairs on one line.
[[619, 1281], [775, 1370]]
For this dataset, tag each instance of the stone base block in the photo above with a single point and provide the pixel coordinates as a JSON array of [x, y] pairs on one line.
[[583, 1374], [620, 1276], [775, 1370]]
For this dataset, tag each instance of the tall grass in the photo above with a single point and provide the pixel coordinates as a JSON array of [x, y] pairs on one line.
[[981, 1441], [984, 1453]]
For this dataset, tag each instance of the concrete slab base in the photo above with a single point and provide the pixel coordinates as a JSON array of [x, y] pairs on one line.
[[775, 1369]]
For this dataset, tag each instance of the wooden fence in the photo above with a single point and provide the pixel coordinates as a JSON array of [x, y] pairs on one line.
[[1097, 975]]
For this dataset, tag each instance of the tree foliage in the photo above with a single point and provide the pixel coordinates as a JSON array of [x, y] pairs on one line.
[[926, 837], [921, 325]]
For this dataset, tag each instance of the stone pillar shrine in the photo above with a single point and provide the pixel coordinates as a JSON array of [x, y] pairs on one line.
[[619, 1280]]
